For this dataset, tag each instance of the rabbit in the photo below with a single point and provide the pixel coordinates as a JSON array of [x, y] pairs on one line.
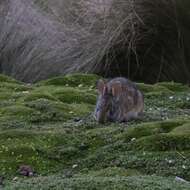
[[119, 100]]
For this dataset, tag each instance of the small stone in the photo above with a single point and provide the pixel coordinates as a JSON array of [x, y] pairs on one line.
[[133, 139], [80, 85], [170, 161], [25, 92], [74, 166], [15, 178], [29, 84], [26, 170]]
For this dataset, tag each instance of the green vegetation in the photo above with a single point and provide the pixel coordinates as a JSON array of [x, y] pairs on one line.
[[49, 126], [87, 182]]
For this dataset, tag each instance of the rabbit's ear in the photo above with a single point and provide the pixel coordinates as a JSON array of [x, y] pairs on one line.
[[105, 90], [116, 89], [101, 86]]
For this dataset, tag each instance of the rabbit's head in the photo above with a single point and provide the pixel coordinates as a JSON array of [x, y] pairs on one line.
[[105, 101]]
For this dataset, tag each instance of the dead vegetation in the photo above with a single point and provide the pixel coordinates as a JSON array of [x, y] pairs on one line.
[[141, 39]]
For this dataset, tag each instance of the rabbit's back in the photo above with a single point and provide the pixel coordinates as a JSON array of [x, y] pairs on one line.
[[125, 83], [129, 104]]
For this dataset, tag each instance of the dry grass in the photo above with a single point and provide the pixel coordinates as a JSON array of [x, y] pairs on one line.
[[140, 39]]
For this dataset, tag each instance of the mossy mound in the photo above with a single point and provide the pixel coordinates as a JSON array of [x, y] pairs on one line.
[[73, 80], [88, 182], [49, 126], [4, 78]]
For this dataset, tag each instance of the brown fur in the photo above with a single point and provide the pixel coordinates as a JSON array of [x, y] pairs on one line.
[[119, 100]]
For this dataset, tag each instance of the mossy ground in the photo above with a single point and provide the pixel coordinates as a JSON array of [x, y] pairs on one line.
[[49, 126]]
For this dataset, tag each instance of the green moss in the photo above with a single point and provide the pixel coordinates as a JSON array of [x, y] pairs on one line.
[[70, 95], [175, 87], [4, 78], [164, 163], [73, 80], [47, 110], [14, 87], [49, 125], [34, 96], [81, 109], [33, 148], [147, 88], [127, 183], [5, 96], [163, 87], [183, 104], [15, 152], [113, 171], [152, 128], [16, 110], [162, 142], [181, 130]]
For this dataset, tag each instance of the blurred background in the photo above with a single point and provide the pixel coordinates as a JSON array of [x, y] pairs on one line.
[[144, 40]]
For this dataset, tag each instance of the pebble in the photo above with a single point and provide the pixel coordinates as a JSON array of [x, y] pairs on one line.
[[74, 166], [15, 178], [133, 139], [171, 97], [26, 170]]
